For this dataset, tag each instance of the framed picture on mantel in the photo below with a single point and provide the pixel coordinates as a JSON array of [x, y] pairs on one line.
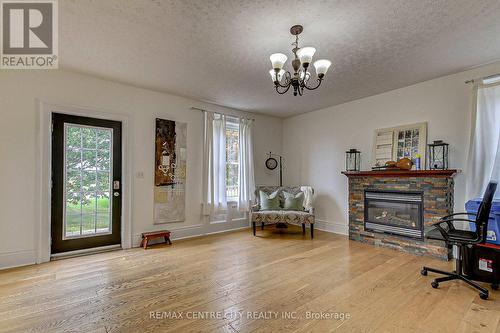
[[395, 143]]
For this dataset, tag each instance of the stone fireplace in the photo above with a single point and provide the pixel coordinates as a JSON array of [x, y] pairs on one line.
[[394, 208]]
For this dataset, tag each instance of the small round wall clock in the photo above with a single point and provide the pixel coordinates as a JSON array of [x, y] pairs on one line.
[[271, 163]]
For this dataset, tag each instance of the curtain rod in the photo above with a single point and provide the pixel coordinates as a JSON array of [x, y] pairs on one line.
[[482, 78], [226, 114]]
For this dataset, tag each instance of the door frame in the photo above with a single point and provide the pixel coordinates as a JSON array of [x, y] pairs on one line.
[[42, 235]]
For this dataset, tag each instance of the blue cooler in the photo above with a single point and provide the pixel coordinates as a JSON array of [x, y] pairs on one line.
[[494, 222]]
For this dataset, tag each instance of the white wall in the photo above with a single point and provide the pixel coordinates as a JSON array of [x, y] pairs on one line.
[[19, 133], [314, 144]]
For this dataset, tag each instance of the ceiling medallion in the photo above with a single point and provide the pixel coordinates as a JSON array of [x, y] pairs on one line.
[[283, 80]]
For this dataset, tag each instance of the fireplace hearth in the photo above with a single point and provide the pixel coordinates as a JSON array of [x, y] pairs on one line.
[[394, 212]]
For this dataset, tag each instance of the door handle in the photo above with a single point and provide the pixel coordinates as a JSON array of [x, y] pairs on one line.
[[116, 194]]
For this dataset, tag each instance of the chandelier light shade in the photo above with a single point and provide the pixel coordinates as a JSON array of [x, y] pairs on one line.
[[278, 60], [305, 55], [322, 66], [299, 78]]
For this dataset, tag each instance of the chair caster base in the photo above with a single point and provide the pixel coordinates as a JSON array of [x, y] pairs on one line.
[[494, 286], [423, 272], [434, 284], [483, 295]]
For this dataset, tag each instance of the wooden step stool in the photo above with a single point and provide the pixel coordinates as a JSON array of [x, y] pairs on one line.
[[147, 236]]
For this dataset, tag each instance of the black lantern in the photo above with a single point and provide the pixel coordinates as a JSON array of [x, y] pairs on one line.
[[353, 160], [438, 155]]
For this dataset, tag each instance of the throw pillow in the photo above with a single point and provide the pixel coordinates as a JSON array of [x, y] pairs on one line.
[[294, 201], [269, 201]]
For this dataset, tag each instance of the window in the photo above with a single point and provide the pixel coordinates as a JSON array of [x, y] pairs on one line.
[[228, 168], [232, 161], [484, 154]]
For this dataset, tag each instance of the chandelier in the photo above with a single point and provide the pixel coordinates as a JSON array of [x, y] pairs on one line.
[[300, 78]]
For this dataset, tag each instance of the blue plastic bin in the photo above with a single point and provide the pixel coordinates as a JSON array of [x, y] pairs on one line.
[[494, 222]]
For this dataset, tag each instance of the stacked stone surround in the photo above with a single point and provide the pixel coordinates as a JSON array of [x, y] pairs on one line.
[[438, 202]]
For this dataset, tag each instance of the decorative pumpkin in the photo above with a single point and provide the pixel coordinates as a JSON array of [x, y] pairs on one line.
[[403, 164]]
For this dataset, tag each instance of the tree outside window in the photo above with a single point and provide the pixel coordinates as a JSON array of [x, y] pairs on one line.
[[232, 161]]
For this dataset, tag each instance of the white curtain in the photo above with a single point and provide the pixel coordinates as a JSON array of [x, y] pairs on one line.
[[484, 154], [214, 164], [246, 184]]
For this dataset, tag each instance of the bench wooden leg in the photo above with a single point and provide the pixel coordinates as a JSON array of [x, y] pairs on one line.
[[145, 243], [303, 228], [253, 228], [312, 230], [167, 240], [262, 226]]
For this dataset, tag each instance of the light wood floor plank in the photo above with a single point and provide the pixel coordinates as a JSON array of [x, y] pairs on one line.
[[236, 273]]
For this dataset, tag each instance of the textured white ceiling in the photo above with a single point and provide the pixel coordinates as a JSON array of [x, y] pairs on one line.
[[218, 50]]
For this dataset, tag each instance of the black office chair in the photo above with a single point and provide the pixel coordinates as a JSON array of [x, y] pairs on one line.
[[446, 231]]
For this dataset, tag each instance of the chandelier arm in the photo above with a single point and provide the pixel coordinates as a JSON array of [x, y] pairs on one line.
[[312, 88], [284, 91], [307, 76], [287, 80]]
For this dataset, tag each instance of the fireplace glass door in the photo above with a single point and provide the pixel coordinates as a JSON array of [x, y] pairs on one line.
[[398, 214], [394, 212]]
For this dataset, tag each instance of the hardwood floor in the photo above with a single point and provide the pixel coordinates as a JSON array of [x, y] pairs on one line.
[[272, 276]]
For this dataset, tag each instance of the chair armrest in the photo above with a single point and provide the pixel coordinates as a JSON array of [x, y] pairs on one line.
[[452, 220], [449, 222], [311, 211], [255, 208], [448, 216]]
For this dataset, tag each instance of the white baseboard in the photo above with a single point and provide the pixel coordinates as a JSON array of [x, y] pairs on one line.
[[333, 227], [28, 257], [17, 258], [199, 230]]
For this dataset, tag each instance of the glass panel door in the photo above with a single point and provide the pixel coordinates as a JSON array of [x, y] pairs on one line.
[[88, 174], [86, 183]]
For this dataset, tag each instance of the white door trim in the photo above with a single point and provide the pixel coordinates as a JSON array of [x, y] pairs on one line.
[[44, 170]]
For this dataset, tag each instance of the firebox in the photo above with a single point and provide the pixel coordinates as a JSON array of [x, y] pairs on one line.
[[394, 212]]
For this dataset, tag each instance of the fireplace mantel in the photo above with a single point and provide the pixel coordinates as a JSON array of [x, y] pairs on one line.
[[402, 173]]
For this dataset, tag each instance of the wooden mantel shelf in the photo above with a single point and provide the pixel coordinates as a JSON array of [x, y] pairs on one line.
[[402, 173]]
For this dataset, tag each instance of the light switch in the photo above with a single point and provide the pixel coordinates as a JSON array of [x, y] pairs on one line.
[[140, 174]]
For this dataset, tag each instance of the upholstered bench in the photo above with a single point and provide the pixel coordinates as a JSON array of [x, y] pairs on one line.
[[269, 217]]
